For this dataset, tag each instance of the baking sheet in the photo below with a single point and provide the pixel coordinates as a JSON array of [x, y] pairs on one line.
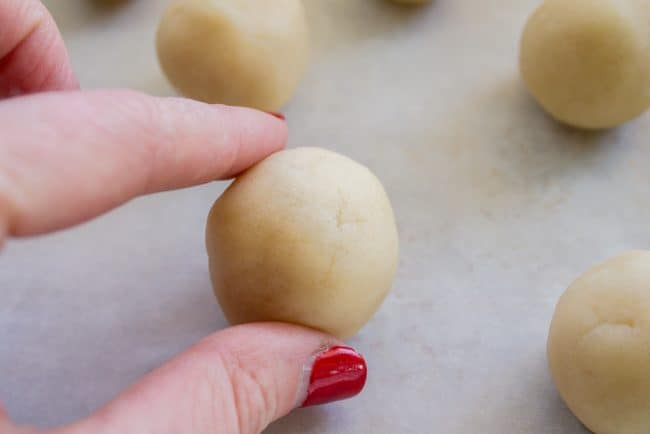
[[498, 208]]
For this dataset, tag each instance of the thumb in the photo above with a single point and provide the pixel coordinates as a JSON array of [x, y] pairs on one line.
[[234, 382]]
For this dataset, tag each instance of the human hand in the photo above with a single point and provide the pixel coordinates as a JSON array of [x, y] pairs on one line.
[[67, 156]]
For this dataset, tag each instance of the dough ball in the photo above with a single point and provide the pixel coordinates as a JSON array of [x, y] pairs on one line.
[[587, 61], [239, 52], [599, 346], [307, 237]]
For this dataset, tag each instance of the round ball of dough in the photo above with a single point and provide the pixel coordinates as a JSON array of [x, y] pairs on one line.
[[239, 52], [307, 236], [599, 346], [587, 61]]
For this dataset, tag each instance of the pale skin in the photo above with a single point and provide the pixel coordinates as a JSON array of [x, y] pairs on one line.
[[67, 156]]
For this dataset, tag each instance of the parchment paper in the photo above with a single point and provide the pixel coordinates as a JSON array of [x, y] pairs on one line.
[[499, 209]]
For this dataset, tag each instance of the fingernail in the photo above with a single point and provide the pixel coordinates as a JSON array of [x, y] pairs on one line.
[[337, 373], [277, 115]]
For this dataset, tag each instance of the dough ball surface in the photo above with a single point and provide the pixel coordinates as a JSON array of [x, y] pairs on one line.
[[307, 236], [587, 62], [599, 346], [249, 53]]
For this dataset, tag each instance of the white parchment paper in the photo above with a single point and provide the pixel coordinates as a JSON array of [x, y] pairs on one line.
[[498, 207]]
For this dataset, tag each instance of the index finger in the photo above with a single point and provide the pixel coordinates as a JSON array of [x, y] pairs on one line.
[[68, 156]]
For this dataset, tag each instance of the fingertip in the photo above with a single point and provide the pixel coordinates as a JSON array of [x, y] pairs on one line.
[[260, 135], [330, 371], [337, 373], [278, 115]]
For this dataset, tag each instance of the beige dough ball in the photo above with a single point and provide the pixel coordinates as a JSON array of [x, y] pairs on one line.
[[599, 346], [307, 237], [587, 62], [239, 52]]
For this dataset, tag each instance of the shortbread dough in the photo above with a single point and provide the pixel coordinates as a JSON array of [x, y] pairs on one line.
[[307, 236], [239, 52], [599, 346], [587, 62]]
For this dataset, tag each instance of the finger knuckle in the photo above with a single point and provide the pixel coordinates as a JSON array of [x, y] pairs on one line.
[[143, 117]]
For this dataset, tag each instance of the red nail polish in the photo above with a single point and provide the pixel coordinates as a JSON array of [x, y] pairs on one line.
[[277, 115], [338, 373]]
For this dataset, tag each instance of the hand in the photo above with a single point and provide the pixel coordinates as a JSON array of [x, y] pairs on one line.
[[67, 156]]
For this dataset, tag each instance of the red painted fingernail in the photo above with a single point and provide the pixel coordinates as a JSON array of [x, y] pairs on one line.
[[277, 115], [337, 373]]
